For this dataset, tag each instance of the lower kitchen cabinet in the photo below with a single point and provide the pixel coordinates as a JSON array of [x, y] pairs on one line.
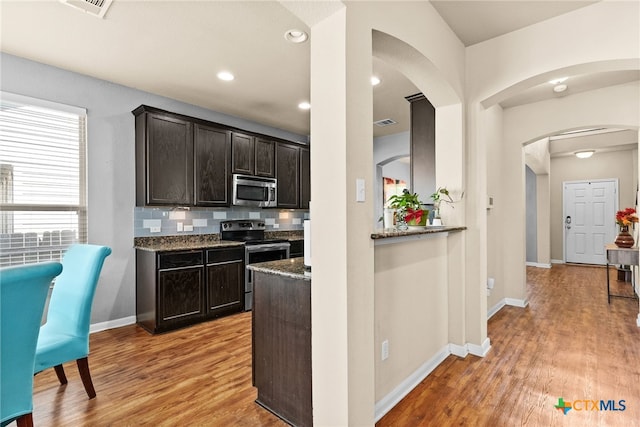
[[225, 281], [178, 288]]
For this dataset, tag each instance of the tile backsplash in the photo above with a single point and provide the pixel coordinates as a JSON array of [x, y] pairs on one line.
[[178, 221]]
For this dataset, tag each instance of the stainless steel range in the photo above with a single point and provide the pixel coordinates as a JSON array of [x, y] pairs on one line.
[[257, 248]]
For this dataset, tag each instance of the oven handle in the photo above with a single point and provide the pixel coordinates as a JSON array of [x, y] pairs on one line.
[[267, 247]]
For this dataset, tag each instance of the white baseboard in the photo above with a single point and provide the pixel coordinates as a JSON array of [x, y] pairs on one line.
[[522, 303], [557, 261], [385, 404], [480, 350], [538, 264], [458, 350], [110, 324]]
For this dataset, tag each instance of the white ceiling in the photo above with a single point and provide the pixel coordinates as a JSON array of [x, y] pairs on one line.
[[175, 48]]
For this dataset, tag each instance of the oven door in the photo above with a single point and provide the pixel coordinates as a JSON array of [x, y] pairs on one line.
[[260, 253]]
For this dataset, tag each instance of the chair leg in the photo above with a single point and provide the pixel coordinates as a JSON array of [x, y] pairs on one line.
[[25, 420], [60, 373], [83, 367]]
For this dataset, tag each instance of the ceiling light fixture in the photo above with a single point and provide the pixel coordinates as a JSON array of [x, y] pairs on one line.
[[559, 88], [584, 154], [296, 36], [226, 76], [375, 81], [304, 106], [557, 81]]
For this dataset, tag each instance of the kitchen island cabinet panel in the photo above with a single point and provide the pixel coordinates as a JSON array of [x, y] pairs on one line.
[[282, 346], [212, 159]]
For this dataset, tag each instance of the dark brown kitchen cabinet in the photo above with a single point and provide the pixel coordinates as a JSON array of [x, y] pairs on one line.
[[288, 175], [212, 148], [305, 178], [164, 159], [180, 288], [265, 162], [423, 145], [169, 289], [252, 155], [281, 346], [225, 281]]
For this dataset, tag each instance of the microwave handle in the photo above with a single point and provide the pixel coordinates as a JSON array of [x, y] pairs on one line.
[[272, 195]]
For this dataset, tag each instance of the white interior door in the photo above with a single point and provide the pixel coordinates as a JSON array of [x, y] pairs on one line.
[[589, 219]]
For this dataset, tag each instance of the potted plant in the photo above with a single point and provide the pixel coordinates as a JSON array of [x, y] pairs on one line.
[[625, 218], [441, 195], [408, 209]]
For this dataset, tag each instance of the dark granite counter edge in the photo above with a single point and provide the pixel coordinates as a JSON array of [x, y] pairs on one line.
[[386, 233], [202, 241], [292, 267]]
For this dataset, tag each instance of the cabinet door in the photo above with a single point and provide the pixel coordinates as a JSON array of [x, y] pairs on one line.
[[225, 288], [265, 158], [212, 148], [305, 178], [180, 296], [242, 153], [169, 168], [288, 174]]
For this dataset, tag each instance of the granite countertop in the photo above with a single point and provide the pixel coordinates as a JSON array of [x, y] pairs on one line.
[[392, 232], [292, 267], [201, 241]]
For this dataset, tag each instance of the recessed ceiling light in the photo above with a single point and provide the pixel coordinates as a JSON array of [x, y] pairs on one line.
[[375, 81], [296, 36], [559, 88], [556, 81], [226, 76], [304, 106], [584, 154]]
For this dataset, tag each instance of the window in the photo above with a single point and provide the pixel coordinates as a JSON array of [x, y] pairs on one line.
[[42, 179]]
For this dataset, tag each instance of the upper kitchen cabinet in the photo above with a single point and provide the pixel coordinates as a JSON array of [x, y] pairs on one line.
[[423, 145], [305, 178], [288, 175], [252, 155], [164, 158], [212, 148]]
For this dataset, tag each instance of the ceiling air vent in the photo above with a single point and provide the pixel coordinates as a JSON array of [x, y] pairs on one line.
[[92, 7], [385, 122]]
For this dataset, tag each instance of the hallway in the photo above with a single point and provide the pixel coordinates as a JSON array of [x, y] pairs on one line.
[[568, 343]]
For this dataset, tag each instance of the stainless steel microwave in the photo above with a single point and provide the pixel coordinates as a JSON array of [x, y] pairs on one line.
[[255, 191]]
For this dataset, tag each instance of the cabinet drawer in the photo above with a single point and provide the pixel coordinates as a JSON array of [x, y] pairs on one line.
[[179, 259], [225, 255]]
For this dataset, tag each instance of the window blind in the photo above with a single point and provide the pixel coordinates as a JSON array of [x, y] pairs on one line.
[[42, 179]]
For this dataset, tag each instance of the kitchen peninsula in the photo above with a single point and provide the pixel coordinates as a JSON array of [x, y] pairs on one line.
[[281, 330]]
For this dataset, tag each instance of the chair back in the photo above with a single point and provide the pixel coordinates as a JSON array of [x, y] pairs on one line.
[[72, 296], [23, 292]]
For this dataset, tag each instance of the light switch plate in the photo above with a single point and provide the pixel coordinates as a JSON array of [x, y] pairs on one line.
[[360, 190]]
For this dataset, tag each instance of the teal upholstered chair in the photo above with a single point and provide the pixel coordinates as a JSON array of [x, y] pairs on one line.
[[65, 335], [23, 292]]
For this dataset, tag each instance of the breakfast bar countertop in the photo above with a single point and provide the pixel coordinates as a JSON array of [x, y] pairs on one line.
[[416, 231]]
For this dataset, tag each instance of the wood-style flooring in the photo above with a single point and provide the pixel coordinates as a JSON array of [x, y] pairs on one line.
[[567, 343]]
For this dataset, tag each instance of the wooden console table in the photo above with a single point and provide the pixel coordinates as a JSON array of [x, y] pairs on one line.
[[620, 256]]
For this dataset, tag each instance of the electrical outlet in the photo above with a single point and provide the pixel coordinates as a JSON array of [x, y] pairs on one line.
[[154, 229], [179, 226], [385, 349]]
